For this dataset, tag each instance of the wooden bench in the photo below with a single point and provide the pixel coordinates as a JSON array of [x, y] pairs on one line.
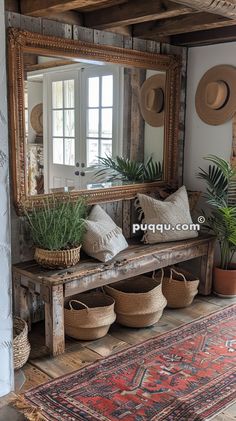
[[54, 285]]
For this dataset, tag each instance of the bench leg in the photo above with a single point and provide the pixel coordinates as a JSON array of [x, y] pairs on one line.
[[16, 284], [207, 263], [24, 298], [54, 321]]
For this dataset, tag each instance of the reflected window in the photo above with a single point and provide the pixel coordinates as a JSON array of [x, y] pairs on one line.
[[63, 122], [26, 109], [99, 117]]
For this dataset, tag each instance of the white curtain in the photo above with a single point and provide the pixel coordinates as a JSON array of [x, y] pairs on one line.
[[6, 366]]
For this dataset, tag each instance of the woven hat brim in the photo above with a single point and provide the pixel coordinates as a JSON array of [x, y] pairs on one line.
[[153, 82], [36, 118], [227, 74]]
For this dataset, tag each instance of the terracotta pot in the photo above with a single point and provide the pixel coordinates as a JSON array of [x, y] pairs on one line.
[[225, 282]]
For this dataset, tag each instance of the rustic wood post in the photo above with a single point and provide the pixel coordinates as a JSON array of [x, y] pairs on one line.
[[24, 300], [54, 321], [16, 280], [207, 263], [138, 76], [233, 153]]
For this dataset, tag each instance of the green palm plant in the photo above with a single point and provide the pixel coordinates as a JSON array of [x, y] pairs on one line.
[[127, 170], [220, 179], [152, 170]]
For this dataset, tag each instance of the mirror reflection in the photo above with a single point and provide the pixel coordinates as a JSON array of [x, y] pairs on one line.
[[91, 124]]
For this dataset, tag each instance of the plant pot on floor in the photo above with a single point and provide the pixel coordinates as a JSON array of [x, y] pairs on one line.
[[57, 259], [225, 282]]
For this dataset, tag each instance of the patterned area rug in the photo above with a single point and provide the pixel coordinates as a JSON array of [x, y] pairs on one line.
[[186, 374]]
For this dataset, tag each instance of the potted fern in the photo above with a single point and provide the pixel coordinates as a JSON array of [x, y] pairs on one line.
[[221, 181], [57, 230]]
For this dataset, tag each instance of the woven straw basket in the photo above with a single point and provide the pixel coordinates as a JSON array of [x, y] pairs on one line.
[[57, 259], [179, 287], [139, 301], [21, 345], [89, 316]]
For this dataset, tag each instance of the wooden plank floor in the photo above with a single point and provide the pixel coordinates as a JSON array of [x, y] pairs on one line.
[[41, 367]]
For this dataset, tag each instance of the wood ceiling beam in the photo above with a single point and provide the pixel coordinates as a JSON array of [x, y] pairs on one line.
[[102, 5], [12, 5], [211, 36], [133, 12], [180, 25], [41, 8], [225, 8], [122, 30], [47, 65], [71, 17]]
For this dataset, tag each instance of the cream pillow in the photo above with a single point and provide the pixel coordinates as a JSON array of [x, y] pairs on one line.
[[103, 239], [173, 211]]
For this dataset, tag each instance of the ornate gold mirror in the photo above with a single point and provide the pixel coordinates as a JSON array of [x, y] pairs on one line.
[[90, 119]]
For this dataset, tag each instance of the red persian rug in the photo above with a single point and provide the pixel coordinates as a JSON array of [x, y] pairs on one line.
[[186, 374]]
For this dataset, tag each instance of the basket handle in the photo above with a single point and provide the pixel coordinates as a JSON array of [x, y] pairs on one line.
[[177, 273], [79, 302], [162, 274]]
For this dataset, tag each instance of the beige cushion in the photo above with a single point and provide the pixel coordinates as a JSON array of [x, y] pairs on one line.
[[103, 238], [174, 210]]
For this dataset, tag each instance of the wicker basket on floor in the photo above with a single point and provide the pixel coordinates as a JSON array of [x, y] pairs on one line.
[[179, 287], [89, 316], [139, 301], [21, 345]]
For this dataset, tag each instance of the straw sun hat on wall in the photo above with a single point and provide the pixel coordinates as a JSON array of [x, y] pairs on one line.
[[36, 118], [216, 95], [152, 100]]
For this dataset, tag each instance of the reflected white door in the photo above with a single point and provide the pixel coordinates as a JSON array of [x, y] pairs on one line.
[[62, 134], [82, 121]]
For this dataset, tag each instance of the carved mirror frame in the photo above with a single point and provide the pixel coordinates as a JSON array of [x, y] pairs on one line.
[[20, 42]]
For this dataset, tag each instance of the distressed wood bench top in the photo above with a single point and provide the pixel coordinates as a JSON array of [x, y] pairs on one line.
[[135, 256]]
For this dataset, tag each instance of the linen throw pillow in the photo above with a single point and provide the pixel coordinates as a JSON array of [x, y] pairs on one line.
[[173, 211], [103, 239]]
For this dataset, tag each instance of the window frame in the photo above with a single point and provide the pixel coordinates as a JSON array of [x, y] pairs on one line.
[[117, 106]]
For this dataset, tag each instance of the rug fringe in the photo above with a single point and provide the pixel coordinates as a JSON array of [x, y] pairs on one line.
[[30, 412]]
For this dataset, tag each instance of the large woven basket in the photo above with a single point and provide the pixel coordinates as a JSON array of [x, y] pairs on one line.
[[57, 259], [89, 316], [139, 301], [21, 345], [179, 287]]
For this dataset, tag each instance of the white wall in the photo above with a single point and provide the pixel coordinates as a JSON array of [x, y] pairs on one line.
[[200, 138], [6, 370]]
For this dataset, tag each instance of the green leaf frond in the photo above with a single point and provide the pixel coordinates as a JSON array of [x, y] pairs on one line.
[[127, 170], [220, 179]]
